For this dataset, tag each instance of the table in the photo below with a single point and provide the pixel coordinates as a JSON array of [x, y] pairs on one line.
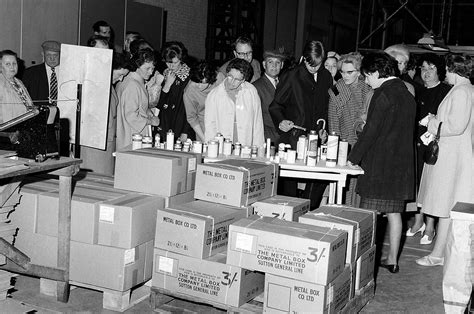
[[18, 262], [337, 175]]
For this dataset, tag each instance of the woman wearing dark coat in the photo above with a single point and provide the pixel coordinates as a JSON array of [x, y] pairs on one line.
[[385, 149]]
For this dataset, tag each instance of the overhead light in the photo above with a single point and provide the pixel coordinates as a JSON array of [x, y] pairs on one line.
[[429, 41]]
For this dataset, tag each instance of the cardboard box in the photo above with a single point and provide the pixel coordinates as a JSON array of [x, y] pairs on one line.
[[40, 248], [282, 207], [84, 213], [190, 159], [359, 223], [209, 279], [286, 295], [110, 267], [199, 229], [149, 173], [182, 198], [289, 249], [236, 182], [364, 270], [128, 221]]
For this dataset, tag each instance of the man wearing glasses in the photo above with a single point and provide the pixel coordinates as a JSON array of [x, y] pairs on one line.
[[233, 107], [243, 49]]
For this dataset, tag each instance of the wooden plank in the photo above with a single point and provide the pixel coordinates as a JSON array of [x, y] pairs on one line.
[[14, 254], [64, 234], [48, 165], [35, 270]]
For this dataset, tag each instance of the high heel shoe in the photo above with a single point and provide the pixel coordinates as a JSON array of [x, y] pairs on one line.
[[393, 268], [410, 233], [425, 239]]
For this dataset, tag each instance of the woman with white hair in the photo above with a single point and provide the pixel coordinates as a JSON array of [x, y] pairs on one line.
[[402, 55]]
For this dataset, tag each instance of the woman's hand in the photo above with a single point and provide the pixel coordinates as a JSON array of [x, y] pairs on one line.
[[170, 77], [323, 135]]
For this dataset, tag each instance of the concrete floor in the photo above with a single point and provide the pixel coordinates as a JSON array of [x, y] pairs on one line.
[[414, 289]]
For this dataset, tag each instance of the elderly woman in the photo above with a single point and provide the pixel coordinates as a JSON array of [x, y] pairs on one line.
[[346, 103], [203, 79], [385, 149], [233, 107], [402, 55], [133, 113], [433, 72], [171, 104], [450, 180]]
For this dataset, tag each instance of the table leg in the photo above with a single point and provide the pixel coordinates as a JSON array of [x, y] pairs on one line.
[[64, 234]]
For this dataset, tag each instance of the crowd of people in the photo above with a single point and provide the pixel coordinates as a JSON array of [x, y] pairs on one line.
[[376, 102]]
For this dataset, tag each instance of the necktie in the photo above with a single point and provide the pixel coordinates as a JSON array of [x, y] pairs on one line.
[[53, 89], [276, 81]]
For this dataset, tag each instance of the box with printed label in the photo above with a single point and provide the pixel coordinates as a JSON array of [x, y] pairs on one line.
[[199, 229], [286, 248], [177, 199], [364, 270], [236, 182], [282, 207], [145, 172], [84, 213], [209, 279], [286, 295], [128, 221], [190, 159], [359, 223], [110, 267]]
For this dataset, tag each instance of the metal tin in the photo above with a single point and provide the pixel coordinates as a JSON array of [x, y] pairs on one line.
[[312, 156], [213, 149], [186, 147], [137, 141], [147, 142], [246, 152], [301, 147], [237, 149], [227, 150], [170, 140], [342, 153], [204, 148], [178, 147], [157, 140], [220, 140], [333, 143], [197, 147], [253, 151]]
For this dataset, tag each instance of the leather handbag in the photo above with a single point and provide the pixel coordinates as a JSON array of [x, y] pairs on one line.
[[431, 153]]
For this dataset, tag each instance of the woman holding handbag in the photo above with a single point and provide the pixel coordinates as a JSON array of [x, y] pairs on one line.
[[450, 179]]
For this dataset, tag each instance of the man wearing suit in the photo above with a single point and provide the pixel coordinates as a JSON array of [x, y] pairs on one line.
[[266, 85], [41, 80]]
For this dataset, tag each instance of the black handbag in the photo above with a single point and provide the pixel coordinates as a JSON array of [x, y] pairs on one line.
[[431, 153]]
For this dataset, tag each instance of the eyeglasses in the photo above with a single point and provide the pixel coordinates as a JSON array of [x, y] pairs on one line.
[[244, 54], [231, 78]]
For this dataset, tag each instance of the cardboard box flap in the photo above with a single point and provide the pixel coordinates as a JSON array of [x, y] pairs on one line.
[[330, 219], [178, 160], [203, 208], [136, 199]]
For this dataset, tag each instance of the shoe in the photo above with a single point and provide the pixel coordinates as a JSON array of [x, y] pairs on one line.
[[425, 239], [429, 260], [410, 233], [393, 268]]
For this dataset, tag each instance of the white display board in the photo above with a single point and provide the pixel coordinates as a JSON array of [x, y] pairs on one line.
[[91, 67]]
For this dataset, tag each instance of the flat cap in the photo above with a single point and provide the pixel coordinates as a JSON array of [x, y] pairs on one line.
[[51, 45], [274, 54]]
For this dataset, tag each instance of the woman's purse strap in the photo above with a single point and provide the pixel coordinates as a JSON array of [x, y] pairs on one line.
[[439, 131]]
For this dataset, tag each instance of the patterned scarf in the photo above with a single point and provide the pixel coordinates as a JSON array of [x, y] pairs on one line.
[[182, 72]]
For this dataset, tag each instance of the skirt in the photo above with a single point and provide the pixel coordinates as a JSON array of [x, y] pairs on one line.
[[383, 206]]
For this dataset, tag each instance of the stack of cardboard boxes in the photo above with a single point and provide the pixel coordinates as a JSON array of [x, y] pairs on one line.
[[191, 239]]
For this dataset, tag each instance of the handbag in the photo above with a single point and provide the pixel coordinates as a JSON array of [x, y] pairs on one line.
[[431, 153]]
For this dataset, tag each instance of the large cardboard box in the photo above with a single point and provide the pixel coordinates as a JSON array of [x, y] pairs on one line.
[[128, 221], [110, 267], [236, 182], [84, 213], [199, 229], [209, 279], [359, 223], [289, 249], [190, 159], [286, 295], [364, 271], [282, 207], [145, 172], [40, 248]]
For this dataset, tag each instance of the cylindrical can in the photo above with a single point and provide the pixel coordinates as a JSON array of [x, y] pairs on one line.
[[157, 140], [333, 143], [178, 147], [204, 148], [237, 149], [301, 147], [170, 140], [186, 147], [342, 154], [291, 156], [213, 149], [313, 136], [268, 145], [220, 141], [253, 151], [324, 151], [246, 152], [227, 150], [312, 157], [137, 141], [147, 142], [197, 147], [281, 150]]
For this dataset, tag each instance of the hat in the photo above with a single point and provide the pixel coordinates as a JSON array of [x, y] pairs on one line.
[[333, 54], [51, 45], [274, 54]]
